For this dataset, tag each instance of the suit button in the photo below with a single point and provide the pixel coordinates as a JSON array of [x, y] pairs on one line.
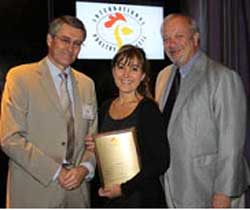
[[63, 143]]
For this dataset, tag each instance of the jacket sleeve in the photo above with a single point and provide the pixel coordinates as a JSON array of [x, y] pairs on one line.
[[88, 158], [13, 132], [230, 116]]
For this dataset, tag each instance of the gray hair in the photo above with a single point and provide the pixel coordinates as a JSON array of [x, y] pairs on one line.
[[57, 23], [191, 22]]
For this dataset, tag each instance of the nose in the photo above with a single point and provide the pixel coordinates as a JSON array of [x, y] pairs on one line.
[[71, 46], [170, 42], [126, 72]]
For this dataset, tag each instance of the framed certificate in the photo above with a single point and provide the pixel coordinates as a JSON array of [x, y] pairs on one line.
[[117, 156]]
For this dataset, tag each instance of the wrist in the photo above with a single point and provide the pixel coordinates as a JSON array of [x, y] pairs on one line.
[[83, 170]]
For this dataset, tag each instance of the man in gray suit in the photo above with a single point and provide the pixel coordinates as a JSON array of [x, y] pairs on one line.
[[206, 130], [34, 127]]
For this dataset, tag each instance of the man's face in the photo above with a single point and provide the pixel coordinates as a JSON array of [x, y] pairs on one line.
[[180, 44], [64, 47]]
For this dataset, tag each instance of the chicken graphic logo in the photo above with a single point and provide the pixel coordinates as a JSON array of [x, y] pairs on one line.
[[116, 26], [119, 31]]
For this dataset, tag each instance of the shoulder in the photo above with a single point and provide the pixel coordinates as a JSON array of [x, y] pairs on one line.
[[106, 103], [219, 72], [22, 72], [103, 109], [214, 67], [148, 105], [165, 72], [219, 78], [82, 78], [149, 113], [22, 69]]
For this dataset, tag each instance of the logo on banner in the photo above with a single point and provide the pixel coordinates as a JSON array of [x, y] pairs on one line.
[[116, 26]]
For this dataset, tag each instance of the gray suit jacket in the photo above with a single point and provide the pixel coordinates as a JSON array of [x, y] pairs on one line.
[[33, 134], [206, 134]]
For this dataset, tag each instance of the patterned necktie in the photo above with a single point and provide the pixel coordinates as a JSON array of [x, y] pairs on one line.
[[68, 113], [168, 108]]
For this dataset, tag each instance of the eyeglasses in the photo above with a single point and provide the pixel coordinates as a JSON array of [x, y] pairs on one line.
[[68, 42]]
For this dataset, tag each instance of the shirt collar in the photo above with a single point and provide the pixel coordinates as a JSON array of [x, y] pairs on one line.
[[54, 70], [184, 70]]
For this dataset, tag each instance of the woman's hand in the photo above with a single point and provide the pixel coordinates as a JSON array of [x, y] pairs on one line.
[[89, 143], [111, 192]]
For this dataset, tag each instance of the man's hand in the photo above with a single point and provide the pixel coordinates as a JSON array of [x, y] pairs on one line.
[[72, 178], [89, 143], [111, 192], [221, 200], [61, 176]]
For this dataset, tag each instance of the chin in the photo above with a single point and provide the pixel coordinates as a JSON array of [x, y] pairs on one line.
[[126, 91], [66, 64]]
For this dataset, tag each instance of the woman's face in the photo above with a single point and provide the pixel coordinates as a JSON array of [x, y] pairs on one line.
[[128, 75]]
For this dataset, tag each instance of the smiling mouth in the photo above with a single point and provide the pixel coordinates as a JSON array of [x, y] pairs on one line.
[[126, 82], [174, 52]]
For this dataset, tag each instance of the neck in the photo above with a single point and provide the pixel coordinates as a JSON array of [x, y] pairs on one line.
[[60, 67], [128, 98]]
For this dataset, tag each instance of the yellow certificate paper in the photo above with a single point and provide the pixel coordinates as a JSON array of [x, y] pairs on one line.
[[117, 156]]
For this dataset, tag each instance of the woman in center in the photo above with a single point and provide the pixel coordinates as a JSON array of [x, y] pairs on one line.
[[134, 107]]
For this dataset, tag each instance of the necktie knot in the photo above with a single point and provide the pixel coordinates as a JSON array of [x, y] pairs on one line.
[[63, 76]]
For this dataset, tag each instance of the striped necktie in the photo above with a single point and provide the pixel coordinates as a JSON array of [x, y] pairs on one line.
[[68, 113]]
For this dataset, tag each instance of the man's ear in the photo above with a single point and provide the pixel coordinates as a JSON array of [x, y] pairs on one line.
[[196, 38], [49, 39]]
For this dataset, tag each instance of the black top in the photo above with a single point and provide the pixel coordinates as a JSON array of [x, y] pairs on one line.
[[143, 190]]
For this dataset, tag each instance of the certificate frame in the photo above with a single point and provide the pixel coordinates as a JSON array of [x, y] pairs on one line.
[[118, 158]]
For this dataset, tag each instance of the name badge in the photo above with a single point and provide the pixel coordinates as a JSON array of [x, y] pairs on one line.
[[88, 111]]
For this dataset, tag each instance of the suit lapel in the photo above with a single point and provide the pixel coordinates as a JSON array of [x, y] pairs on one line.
[[77, 102], [162, 93], [187, 85], [162, 85], [167, 89], [48, 85]]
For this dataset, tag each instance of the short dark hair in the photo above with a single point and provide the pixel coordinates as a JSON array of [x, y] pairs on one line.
[[57, 23]]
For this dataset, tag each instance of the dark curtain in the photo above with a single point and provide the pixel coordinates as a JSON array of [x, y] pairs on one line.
[[225, 36]]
